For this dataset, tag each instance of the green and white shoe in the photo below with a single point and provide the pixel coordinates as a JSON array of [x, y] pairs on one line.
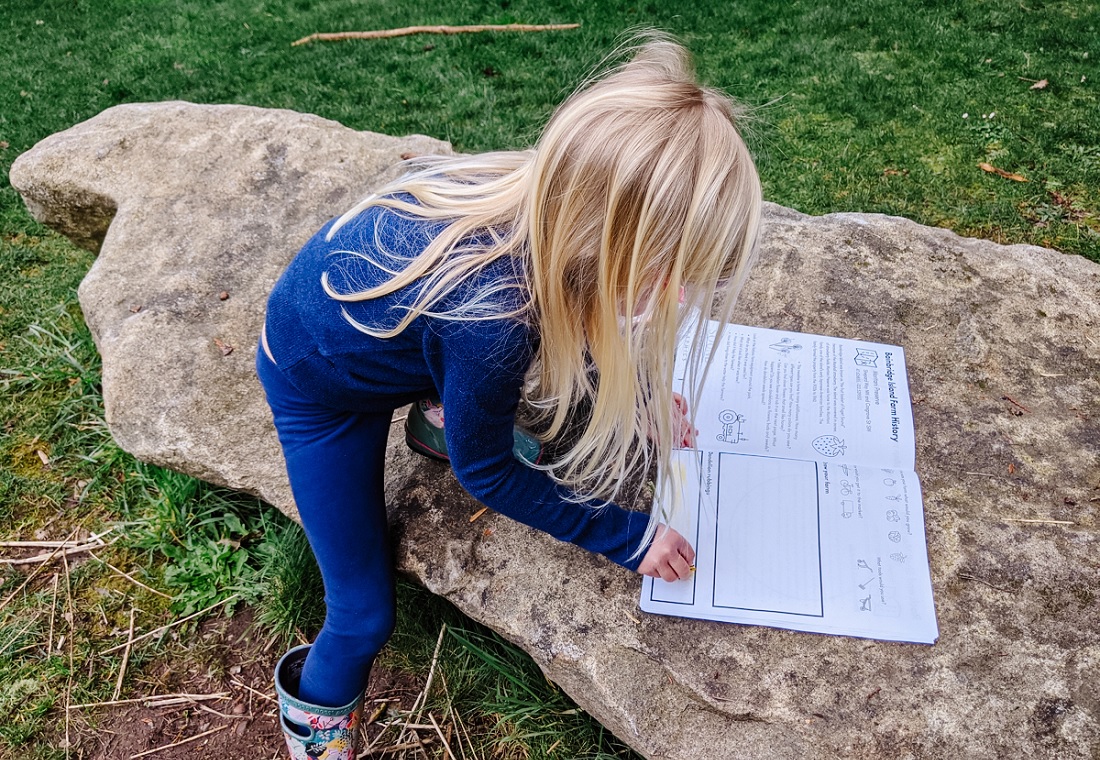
[[424, 434]]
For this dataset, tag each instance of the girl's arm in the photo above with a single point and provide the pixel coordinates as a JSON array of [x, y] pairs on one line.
[[479, 369]]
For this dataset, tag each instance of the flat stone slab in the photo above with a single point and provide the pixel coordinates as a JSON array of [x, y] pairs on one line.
[[189, 203]]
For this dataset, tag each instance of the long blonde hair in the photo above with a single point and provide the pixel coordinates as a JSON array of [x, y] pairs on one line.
[[639, 192]]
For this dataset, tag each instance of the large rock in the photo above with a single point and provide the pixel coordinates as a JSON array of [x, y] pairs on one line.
[[1003, 346]]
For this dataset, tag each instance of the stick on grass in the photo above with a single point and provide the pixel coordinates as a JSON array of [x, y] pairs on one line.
[[130, 578], [170, 625], [37, 570], [378, 34], [125, 657]]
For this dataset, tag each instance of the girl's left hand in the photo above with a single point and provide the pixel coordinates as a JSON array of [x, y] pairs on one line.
[[682, 428], [670, 556]]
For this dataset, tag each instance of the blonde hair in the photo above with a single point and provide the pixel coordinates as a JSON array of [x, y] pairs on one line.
[[640, 189]]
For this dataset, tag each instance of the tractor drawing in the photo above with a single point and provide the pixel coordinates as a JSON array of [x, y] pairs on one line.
[[731, 423]]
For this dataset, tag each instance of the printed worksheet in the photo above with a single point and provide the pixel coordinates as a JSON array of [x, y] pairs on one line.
[[801, 499]]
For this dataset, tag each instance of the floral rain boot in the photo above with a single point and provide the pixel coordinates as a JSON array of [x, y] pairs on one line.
[[424, 434], [313, 732]]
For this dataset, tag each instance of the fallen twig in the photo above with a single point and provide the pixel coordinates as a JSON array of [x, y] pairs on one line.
[[72, 621], [125, 657], [409, 30], [177, 744], [395, 748], [986, 167], [56, 544], [62, 550], [15, 638], [457, 718], [31, 577], [53, 612], [212, 711], [259, 694], [1014, 402], [478, 513], [157, 700], [171, 625], [423, 698], [130, 578], [446, 746], [1045, 522]]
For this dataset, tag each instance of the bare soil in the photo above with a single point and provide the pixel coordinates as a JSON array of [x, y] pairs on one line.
[[224, 656]]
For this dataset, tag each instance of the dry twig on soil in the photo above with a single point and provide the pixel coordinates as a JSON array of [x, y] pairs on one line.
[[259, 694], [446, 744], [156, 700], [188, 740]]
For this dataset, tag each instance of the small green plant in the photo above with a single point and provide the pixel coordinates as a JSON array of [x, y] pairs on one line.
[[205, 534]]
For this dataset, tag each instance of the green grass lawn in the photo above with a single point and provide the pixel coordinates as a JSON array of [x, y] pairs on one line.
[[865, 105]]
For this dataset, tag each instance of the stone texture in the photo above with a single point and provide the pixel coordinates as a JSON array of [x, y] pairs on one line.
[[1003, 346]]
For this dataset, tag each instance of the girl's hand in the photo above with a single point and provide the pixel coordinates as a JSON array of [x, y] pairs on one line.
[[670, 556], [681, 425]]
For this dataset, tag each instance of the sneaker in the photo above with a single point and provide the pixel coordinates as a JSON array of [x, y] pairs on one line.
[[424, 434]]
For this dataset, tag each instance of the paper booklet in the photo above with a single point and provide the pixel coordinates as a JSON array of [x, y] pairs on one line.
[[801, 498]]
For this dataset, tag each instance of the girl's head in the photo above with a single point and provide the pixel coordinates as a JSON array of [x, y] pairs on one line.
[[642, 192], [641, 184], [639, 194]]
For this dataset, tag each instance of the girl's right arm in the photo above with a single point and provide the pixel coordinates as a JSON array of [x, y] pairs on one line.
[[479, 368]]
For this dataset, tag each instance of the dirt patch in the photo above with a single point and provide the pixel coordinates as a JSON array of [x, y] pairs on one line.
[[226, 657]]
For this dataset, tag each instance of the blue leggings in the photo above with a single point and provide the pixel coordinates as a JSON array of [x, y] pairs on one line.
[[335, 462]]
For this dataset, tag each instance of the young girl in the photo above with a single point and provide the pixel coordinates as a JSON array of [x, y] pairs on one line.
[[541, 279]]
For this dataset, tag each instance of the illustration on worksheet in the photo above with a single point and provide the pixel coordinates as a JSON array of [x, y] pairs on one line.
[[895, 497], [785, 346], [893, 516], [865, 604], [732, 423], [898, 557], [828, 445], [889, 482], [846, 488], [866, 357], [895, 536], [847, 508]]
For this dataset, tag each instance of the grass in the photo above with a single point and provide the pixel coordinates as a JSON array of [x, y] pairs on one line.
[[870, 106]]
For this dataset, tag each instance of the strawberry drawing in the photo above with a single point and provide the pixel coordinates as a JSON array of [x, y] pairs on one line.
[[828, 445]]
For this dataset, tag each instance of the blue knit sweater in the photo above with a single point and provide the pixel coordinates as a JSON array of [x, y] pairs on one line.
[[477, 367]]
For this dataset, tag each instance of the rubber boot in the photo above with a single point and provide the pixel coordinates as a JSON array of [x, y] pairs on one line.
[[313, 732], [424, 434]]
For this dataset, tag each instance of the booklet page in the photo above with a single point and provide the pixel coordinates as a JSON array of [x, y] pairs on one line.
[[809, 546], [784, 394], [801, 498]]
